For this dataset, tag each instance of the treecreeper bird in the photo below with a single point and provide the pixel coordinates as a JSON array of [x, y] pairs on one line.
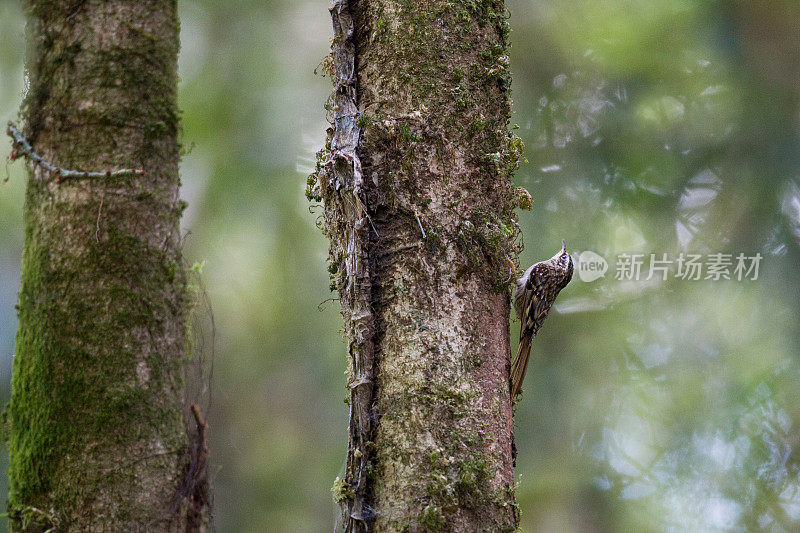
[[536, 291]]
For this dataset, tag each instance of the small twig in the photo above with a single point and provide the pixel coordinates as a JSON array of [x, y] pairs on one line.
[[512, 269], [321, 306], [76, 9], [140, 459], [21, 147], [51, 519], [419, 222], [363, 210], [99, 210]]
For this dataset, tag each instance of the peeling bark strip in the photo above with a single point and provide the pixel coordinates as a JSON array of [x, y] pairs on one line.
[[343, 168], [97, 432], [418, 207]]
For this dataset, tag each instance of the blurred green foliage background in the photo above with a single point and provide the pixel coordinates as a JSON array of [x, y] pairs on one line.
[[651, 128]]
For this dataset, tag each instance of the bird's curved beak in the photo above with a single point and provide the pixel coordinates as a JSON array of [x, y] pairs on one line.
[[563, 246]]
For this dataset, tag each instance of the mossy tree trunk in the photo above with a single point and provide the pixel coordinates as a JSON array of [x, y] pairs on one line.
[[415, 180], [97, 432]]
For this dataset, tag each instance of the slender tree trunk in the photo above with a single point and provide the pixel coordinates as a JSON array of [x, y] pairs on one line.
[[97, 438], [415, 181]]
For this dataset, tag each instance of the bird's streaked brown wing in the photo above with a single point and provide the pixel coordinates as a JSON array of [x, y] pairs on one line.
[[525, 303], [535, 305]]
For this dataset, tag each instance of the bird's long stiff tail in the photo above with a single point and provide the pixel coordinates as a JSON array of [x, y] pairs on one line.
[[520, 365]]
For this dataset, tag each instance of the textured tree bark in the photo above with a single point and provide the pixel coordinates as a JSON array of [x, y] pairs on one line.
[[418, 204], [97, 432]]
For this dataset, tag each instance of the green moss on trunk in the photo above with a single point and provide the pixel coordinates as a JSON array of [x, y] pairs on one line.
[[420, 251], [97, 435]]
